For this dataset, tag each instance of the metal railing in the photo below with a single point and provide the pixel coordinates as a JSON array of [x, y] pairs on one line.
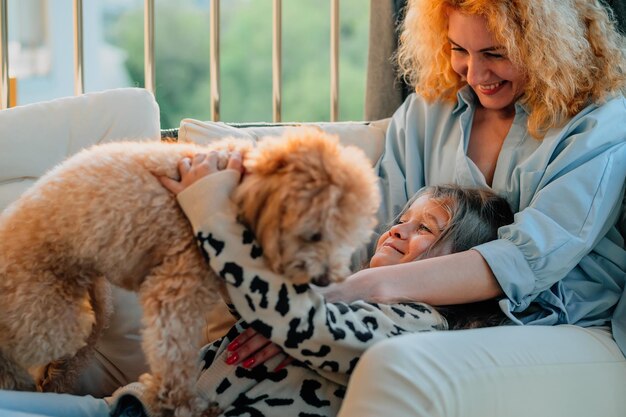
[[79, 77], [4, 56], [214, 63], [334, 60], [214, 55], [148, 46], [276, 60]]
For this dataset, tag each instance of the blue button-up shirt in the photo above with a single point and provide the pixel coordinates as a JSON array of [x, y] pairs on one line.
[[562, 260]]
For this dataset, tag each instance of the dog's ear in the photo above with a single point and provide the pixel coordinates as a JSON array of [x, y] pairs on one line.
[[270, 157], [260, 201]]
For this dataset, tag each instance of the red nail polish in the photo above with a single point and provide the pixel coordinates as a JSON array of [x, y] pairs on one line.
[[234, 345], [279, 367], [248, 362], [232, 358]]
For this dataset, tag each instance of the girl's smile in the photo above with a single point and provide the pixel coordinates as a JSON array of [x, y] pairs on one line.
[[414, 235]]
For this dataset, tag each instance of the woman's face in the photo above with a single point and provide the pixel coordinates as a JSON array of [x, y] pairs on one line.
[[478, 59], [415, 233]]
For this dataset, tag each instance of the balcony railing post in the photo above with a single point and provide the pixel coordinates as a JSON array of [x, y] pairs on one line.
[[79, 79], [214, 67], [148, 47], [4, 56], [277, 36], [334, 60]]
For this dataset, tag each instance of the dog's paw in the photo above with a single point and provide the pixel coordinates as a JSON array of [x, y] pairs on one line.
[[212, 410], [55, 378], [166, 401], [197, 407], [153, 399]]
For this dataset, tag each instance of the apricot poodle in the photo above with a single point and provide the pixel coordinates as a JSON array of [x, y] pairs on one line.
[[102, 217]]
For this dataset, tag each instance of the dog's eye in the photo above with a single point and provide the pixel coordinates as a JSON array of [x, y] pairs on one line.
[[316, 237]]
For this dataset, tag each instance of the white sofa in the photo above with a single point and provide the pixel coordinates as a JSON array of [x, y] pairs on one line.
[[34, 138]]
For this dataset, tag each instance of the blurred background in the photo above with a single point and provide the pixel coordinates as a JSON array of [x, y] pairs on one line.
[[41, 55]]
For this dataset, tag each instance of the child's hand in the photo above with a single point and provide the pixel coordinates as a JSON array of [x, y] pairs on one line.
[[253, 349], [198, 167]]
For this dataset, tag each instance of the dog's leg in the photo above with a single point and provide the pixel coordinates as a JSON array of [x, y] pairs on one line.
[[13, 377], [52, 320], [61, 375], [175, 298]]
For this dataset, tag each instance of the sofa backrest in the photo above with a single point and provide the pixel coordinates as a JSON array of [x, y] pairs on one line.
[[369, 136]]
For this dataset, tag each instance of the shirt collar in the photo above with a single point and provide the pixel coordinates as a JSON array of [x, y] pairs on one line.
[[465, 98], [521, 107]]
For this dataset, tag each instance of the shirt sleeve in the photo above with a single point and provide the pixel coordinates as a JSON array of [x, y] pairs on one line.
[[328, 337], [576, 197]]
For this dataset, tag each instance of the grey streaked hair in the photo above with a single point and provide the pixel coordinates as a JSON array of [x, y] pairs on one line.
[[476, 214]]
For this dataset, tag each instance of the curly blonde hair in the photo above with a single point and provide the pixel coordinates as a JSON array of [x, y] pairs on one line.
[[569, 50]]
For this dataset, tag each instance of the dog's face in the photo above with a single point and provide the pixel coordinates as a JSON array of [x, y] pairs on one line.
[[310, 202]]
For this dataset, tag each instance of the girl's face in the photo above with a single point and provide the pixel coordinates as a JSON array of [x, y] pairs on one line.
[[478, 59], [414, 234]]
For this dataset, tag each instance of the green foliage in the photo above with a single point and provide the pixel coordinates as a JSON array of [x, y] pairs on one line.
[[182, 59]]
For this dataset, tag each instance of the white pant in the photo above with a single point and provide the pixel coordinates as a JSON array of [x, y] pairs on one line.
[[508, 371]]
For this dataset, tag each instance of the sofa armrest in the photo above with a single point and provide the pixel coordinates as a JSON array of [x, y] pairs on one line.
[[36, 137]]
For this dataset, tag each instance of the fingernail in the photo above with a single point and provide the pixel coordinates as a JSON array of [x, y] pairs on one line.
[[279, 367], [248, 362], [232, 358], [234, 345]]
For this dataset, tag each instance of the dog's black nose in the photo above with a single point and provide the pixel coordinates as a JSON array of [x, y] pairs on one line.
[[321, 280]]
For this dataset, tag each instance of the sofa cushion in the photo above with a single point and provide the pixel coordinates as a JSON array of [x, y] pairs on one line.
[[369, 136], [36, 137]]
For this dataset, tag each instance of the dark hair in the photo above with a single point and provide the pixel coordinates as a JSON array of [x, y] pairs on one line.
[[476, 214]]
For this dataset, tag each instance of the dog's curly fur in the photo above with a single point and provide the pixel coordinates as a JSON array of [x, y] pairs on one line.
[[102, 217]]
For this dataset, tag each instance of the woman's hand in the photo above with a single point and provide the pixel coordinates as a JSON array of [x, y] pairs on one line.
[[458, 278], [333, 293], [251, 348], [198, 167]]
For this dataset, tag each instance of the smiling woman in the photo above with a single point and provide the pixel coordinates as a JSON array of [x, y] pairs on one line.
[[483, 64], [527, 98]]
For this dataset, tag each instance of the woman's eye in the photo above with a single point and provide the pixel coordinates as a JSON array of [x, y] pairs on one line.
[[423, 228], [459, 50], [494, 56]]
